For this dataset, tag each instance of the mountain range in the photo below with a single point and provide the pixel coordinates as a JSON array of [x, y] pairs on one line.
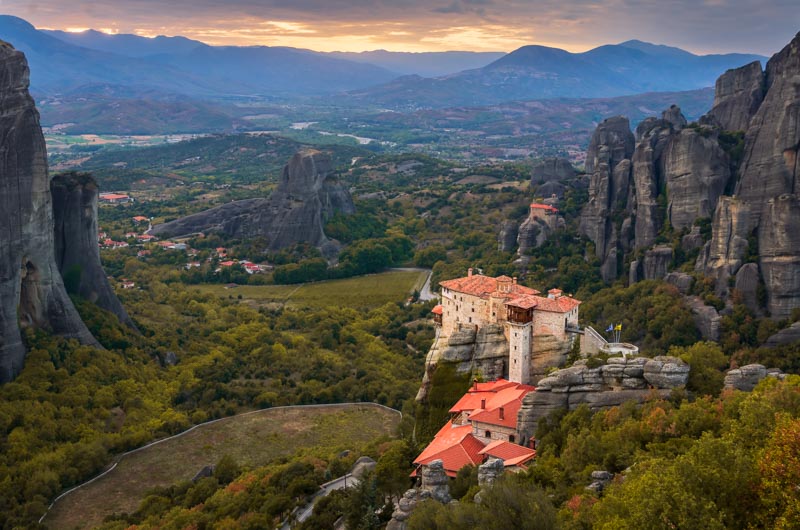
[[129, 65]]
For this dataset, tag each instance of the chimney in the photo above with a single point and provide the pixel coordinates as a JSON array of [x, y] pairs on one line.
[[514, 280], [483, 403], [475, 384], [469, 271], [502, 413]]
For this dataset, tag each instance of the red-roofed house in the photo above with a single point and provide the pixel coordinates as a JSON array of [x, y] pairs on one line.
[[483, 424], [477, 301], [114, 198]]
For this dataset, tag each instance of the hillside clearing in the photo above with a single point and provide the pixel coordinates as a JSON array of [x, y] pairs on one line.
[[252, 439], [372, 290]]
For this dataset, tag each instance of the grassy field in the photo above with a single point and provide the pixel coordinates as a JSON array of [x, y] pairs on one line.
[[369, 291], [252, 439]]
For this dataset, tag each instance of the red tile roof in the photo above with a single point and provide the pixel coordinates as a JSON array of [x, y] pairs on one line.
[[483, 286], [537, 206], [455, 447], [524, 302], [510, 453], [493, 396], [562, 304], [437, 310]]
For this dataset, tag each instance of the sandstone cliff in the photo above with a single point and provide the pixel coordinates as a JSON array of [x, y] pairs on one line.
[[31, 289], [75, 237], [737, 96], [307, 194]]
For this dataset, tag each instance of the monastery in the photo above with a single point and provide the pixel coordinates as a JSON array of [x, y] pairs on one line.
[[477, 301], [483, 423]]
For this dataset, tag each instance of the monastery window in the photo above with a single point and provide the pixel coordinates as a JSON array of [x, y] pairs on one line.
[[511, 438], [473, 309], [470, 320], [515, 333], [488, 434], [515, 348]]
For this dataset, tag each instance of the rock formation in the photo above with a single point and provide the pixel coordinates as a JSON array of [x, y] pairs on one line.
[[765, 206], [737, 96], [490, 471], [75, 234], [609, 167], [32, 292], [307, 195], [747, 377], [608, 385], [551, 169], [434, 485], [507, 239], [484, 353]]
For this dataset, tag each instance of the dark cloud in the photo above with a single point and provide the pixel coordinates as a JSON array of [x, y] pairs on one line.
[[761, 26]]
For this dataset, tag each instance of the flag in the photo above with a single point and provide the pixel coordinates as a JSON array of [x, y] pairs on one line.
[[610, 327], [618, 327]]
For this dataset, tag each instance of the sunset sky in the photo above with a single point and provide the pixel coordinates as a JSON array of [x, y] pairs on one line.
[[701, 26]]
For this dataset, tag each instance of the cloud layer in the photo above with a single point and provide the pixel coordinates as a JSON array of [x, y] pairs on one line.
[[703, 26]]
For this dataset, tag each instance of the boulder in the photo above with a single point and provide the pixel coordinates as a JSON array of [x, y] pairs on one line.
[[32, 292], [489, 471], [737, 95], [706, 318], [666, 372], [436, 482], [745, 378], [786, 336], [674, 117], [682, 281], [362, 466]]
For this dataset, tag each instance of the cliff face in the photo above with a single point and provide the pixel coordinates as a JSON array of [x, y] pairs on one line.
[[609, 167], [75, 237], [307, 195], [31, 289], [737, 96], [765, 204]]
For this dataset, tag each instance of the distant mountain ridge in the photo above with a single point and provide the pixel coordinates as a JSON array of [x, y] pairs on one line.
[[537, 72]]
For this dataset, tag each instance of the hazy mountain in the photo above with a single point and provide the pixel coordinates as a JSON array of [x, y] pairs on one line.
[[180, 66], [535, 72], [425, 64], [128, 45]]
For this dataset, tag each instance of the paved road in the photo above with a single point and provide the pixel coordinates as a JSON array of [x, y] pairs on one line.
[[425, 293], [347, 481]]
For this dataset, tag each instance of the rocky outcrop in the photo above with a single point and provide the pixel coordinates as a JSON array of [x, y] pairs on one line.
[[484, 353], [490, 471], [674, 117], [779, 254], [682, 281], [608, 163], [770, 165], [786, 336], [507, 239], [722, 256], [696, 171], [653, 266], [32, 292], [600, 480], [436, 482], [747, 280], [706, 318], [747, 377], [737, 96], [551, 169], [308, 194], [608, 385], [75, 237]]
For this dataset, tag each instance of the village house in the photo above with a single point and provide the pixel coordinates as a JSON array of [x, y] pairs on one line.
[[115, 198], [482, 425]]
